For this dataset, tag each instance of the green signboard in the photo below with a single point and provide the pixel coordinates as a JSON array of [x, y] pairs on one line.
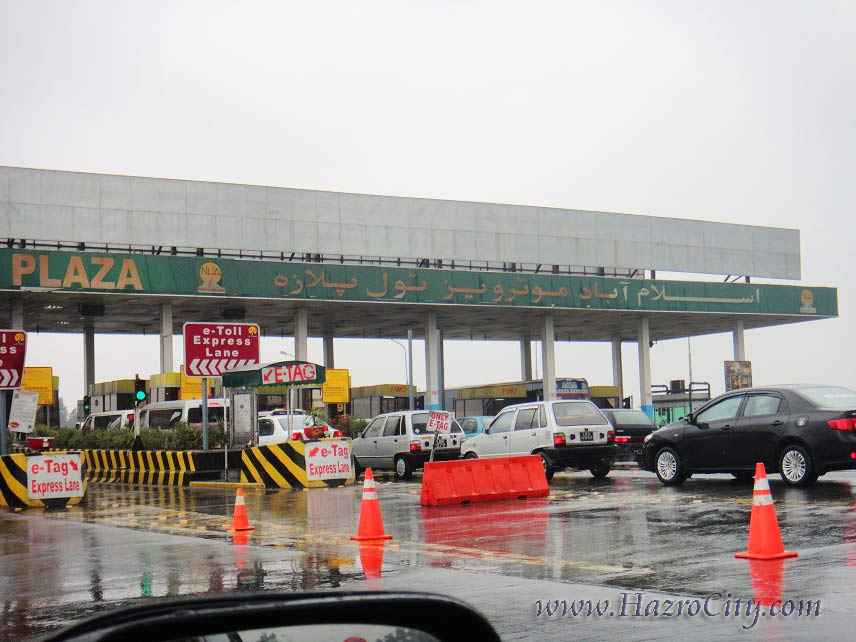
[[182, 276]]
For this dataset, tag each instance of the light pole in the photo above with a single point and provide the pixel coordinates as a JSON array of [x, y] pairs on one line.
[[408, 370]]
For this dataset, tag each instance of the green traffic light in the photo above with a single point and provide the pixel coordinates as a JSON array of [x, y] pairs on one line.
[[141, 395]]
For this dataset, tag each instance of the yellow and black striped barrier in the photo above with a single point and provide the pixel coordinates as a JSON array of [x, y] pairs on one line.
[[161, 467], [283, 466], [13, 485]]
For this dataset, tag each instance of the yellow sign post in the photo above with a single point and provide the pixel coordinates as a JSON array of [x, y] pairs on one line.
[[191, 387], [337, 387], [39, 379]]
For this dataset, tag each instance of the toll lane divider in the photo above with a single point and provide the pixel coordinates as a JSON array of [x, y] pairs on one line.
[[13, 486], [283, 466], [482, 480], [161, 467]]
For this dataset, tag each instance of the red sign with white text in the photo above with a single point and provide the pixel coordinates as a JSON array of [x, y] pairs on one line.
[[297, 372], [13, 347], [210, 349]]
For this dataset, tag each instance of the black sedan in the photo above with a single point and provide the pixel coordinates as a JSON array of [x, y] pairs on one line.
[[801, 431], [631, 428]]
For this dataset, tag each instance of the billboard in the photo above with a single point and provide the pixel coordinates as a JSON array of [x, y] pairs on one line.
[[738, 374]]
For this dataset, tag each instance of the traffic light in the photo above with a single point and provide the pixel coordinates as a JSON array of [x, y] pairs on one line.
[[140, 394], [87, 404]]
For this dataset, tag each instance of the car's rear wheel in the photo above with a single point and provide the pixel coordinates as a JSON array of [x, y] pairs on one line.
[[669, 467], [601, 469], [471, 455], [403, 468], [547, 464], [796, 467]]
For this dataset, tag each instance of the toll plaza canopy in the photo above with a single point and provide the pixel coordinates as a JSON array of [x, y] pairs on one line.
[[94, 253], [61, 286]]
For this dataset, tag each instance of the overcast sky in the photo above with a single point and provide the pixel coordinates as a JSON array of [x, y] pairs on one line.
[[725, 111]]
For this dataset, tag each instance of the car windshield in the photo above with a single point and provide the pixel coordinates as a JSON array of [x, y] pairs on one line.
[[573, 413], [829, 398], [630, 418]]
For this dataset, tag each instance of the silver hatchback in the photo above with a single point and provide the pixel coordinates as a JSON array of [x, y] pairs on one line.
[[400, 441]]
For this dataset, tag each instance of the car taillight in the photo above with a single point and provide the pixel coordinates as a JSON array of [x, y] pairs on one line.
[[559, 439], [842, 424], [610, 437], [414, 446], [620, 440]]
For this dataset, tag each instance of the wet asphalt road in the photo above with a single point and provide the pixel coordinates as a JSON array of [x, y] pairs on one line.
[[626, 539]]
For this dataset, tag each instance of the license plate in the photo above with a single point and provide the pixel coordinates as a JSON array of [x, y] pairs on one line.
[[441, 442], [586, 436]]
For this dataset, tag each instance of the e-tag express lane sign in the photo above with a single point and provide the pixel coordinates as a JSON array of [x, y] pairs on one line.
[[328, 460], [53, 476], [212, 348], [13, 347]]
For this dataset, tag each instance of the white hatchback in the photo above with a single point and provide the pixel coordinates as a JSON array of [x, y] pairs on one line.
[[565, 433]]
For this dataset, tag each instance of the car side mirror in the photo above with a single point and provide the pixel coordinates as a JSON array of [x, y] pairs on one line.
[[487, 430], [302, 617]]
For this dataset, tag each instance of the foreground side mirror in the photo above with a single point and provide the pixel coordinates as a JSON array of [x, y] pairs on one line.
[[302, 617]]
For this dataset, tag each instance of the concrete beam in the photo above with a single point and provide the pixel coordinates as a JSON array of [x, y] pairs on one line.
[[166, 360], [644, 340], [548, 357]]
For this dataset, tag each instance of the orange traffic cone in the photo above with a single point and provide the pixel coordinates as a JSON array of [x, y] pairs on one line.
[[371, 523], [765, 540], [239, 517]]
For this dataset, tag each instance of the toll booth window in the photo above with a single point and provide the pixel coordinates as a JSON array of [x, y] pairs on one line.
[[374, 428], [578, 414], [392, 427], [265, 428], [502, 423], [525, 416]]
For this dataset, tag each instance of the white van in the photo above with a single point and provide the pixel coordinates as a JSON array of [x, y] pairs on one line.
[[165, 414], [111, 419]]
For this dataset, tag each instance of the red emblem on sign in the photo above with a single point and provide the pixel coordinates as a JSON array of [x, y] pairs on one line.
[[210, 349], [13, 347]]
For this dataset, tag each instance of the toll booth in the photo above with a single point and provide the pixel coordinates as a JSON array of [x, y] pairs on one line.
[[489, 400], [369, 401], [111, 395], [276, 397], [605, 396], [677, 400], [165, 387], [484, 400]]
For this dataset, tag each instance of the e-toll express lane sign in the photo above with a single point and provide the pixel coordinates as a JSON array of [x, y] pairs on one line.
[[13, 347], [212, 348]]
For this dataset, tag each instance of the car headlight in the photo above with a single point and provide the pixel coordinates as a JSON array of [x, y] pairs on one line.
[[647, 437]]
